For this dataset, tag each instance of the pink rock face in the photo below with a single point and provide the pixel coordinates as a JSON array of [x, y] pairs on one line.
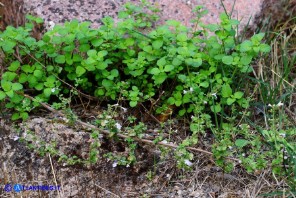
[[60, 11]]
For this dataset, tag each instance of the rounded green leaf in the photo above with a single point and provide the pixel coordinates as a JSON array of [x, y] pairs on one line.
[[230, 101], [241, 142], [246, 46], [161, 62], [47, 92], [97, 42], [80, 70], [157, 44], [238, 95], [133, 103], [226, 91], [264, 48], [2, 95], [6, 85], [182, 37], [38, 74], [227, 60], [155, 71], [216, 108], [14, 66], [15, 116], [168, 68], [246, 60], [60, 59], [16, 86]]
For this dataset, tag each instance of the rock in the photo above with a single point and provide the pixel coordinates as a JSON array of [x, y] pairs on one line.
[[59, 11]]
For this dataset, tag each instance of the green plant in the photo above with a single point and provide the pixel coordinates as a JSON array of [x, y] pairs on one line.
[[198, 72]]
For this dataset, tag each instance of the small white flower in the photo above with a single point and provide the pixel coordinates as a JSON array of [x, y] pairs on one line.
[[51, 24], [118, 126], [124, 109], [205, 102], [215, 95], [127, 165], [15, 138], [240, 161], [283, 134], [53, 90], [243, 154], [188, 163], [280, 104], [191, 89], [114, 164], [230, 147], [285, 157], [164, 141], [184, 91]]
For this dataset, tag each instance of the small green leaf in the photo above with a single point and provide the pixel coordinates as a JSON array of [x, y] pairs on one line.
[[6, 85], [226, 91], [107, 83], [157, 44], [24, 115], [230, 101], [9, 76], [216, 108], [168, 68], [22, 78], [171, 100], [264, 48], [114, 72], [2, 95], [14, 66], [182, 37], [246, 60], [227, 60], [155, 71], [246, 46], [176, 62], [80, 70], [60, 59], [161, 62], [15, 116], [16, 86], [39, 86], [100, 92], [133, 103], [204, 84], [10, 93], [47, 92], [102, 53], [241, 143], [38, 74], [92, 53], [238, 95], [178, 103], [160, 78], [97, 42], [84, 47], [182, 112]]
